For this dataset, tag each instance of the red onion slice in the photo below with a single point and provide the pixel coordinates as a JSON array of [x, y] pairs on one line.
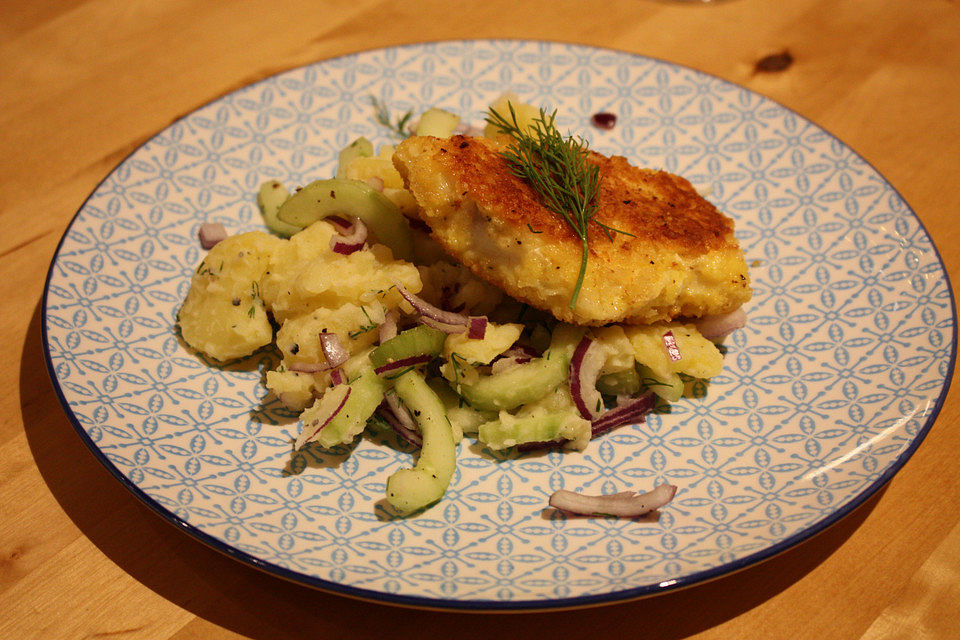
[[403, 363], [442, 326], [316, 426], [517, 354], [342, 225], [631, 410], [210, 234], [333, 350], [349, 240], [585, 367], [424, 308], [627, 504], [448, 321], [670, 342], [720, 326], [388, 328], [477, 327], [337, 377], [400, 419]]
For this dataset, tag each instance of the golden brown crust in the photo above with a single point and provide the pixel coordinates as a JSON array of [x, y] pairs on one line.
[[655, 207], [678, 255]]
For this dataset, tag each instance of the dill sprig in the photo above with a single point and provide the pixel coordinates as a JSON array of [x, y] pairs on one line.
[[558, 170], [383, 117]]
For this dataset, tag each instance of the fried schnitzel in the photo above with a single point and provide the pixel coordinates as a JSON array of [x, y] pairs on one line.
[[677, 256]]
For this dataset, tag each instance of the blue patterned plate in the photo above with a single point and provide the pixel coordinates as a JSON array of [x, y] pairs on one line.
[[824, 395]]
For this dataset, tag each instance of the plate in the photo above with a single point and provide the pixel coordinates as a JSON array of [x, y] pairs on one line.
[[834, 382]]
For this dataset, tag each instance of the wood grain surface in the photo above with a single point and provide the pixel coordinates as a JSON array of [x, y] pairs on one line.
[[84, 82]]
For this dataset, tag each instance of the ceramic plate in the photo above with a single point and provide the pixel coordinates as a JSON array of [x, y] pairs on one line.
[[823, 397]]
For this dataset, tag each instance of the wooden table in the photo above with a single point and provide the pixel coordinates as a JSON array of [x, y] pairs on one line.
[[84, 82]]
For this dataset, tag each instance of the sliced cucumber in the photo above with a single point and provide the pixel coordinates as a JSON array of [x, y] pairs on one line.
[[526, 382], [502, 434], [438, 123], [359, 148], [362, 397], [420, 340], [670, 388], [409, 490], [463, 417], [271, 196], [350, 198], [620, 383]]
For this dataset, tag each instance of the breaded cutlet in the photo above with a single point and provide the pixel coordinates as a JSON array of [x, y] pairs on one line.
[[680, 259]]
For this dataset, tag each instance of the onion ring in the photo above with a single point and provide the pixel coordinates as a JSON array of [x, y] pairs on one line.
[[348, 239], [333, 350], [627, 504], [400, 419], [584, 370], [627, 411]]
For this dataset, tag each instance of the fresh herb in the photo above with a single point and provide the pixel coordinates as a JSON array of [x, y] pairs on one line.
[[558, 170], [383, 117], [377, 421], [204, 269], [455, 359], [653, 382], [396, 375], [370, 326], [457, 372], [255, 294]]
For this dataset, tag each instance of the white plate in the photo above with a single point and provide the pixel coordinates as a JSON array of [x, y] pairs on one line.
[[825, 394]]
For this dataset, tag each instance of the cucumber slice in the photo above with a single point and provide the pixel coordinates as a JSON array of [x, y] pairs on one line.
[[409, 490], [509, 431], [438, 123], [526, 382], [670, 388], [350, 198], [420, 340], [621, 383], [271, 196], [463, 417], [359, 148], [363, 396]]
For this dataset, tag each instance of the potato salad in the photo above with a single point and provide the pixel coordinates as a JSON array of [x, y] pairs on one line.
[[377, 329]]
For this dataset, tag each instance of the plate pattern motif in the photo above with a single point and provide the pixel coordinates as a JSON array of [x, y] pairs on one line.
[[840, 371]]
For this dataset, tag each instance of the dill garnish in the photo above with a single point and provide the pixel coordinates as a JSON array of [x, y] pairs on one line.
[[255, 297], [370, 326], [383, 117], [557, 169]]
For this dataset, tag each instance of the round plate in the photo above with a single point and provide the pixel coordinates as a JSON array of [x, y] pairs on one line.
[[824, 395]]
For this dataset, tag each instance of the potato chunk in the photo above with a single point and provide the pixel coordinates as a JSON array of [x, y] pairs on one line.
[[223, 315], [699, 357]]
